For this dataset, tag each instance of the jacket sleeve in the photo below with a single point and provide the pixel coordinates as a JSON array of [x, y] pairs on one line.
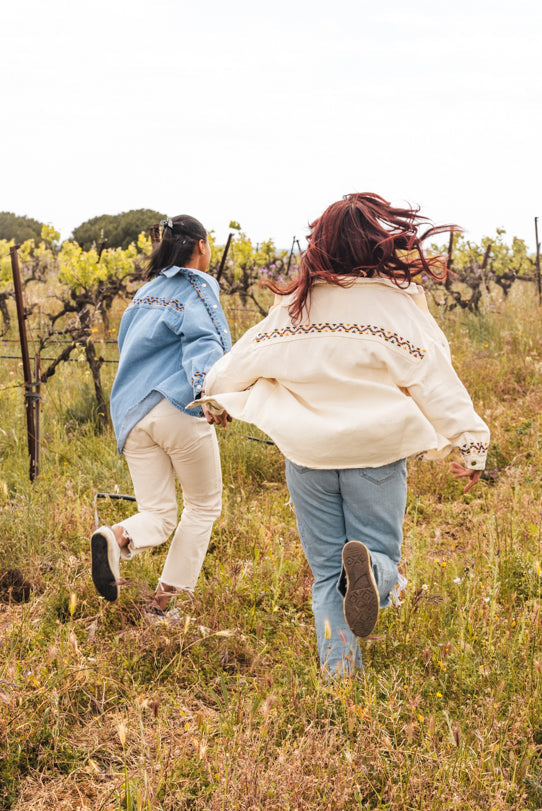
[[205, 335], [237, 370], [441, 396]]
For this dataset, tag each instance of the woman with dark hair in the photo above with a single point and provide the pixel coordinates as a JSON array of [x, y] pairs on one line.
[[350, 375], [171, 334]]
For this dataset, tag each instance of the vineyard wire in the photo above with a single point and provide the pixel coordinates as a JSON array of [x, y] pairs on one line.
[[67, 360], [11, 386], [63, 341]]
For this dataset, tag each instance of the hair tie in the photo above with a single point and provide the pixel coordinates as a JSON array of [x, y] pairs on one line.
[[167, 222]]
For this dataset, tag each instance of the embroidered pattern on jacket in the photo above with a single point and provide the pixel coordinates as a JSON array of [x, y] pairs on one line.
[[156, 301], [352, 329], [474, 447], [195, 285], [197, 379]]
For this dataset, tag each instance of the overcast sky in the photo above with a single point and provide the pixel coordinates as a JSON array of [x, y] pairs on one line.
[[265, 113]]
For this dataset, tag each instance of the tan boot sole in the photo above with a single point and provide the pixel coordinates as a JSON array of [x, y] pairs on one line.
[[361, 601]]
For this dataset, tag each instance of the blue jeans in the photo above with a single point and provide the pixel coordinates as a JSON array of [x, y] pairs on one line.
[[333, 507]]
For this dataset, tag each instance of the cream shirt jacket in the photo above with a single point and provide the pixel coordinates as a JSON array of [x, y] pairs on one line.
[[363, 380]]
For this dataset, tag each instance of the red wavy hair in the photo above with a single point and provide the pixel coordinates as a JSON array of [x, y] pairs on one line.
[[363, 235]]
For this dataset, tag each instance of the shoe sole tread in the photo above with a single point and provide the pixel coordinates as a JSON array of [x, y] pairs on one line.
[[361, 600]]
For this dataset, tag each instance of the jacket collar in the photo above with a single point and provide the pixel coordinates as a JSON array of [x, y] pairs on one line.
[[172, 271]]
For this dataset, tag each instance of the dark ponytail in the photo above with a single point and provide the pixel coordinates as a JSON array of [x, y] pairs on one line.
[[180, 235]]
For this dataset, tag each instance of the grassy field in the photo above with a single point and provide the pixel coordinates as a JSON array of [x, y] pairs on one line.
[[225, 709]]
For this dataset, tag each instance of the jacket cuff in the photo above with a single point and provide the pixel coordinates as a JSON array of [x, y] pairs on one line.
[[474, 455], [198, 381]]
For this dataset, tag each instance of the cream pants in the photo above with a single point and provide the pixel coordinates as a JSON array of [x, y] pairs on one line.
[[168, 444]]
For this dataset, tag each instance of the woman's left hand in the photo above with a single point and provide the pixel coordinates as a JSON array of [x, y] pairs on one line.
[[459, 472]]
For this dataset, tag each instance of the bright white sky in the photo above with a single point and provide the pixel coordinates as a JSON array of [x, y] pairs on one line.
[[267, 112]]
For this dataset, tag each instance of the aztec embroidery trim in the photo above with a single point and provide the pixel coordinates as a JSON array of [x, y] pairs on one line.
[[474, 447], [156, 301], [198, 379], [195, 285], [352, 329]]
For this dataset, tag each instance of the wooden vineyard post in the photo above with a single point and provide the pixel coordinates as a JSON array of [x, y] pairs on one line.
[[290, 256], [450, 258], [223, 260], [31, 397], [154, 232], [36, 395]]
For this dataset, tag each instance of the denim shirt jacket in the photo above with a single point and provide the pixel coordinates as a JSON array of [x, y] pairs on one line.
[[171, 334]]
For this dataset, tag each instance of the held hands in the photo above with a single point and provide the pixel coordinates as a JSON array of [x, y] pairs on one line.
[[220, 419], [460, 472]]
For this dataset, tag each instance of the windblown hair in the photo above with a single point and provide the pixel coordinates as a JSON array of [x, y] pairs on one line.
[[177, 244], [362, 235]]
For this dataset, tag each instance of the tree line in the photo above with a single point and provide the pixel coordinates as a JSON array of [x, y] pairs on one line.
[[111, 230]]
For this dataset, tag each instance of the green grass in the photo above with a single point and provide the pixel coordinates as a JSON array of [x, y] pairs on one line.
[[101, 710]]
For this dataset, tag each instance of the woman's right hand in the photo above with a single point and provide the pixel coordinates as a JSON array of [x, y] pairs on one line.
[[460, 472]]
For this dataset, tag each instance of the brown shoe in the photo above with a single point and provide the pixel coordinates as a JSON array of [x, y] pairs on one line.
[[361, 601]]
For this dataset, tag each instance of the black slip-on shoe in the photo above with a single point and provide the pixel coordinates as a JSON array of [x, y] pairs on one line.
[[105, 553], [361, 600]]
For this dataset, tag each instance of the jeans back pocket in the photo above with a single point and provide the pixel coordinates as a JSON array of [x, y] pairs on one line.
[[380, 475]]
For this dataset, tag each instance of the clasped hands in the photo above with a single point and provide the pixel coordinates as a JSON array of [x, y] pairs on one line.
[[223, 418]]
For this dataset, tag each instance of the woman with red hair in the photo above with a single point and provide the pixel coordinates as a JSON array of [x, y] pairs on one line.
[[350, 375]]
